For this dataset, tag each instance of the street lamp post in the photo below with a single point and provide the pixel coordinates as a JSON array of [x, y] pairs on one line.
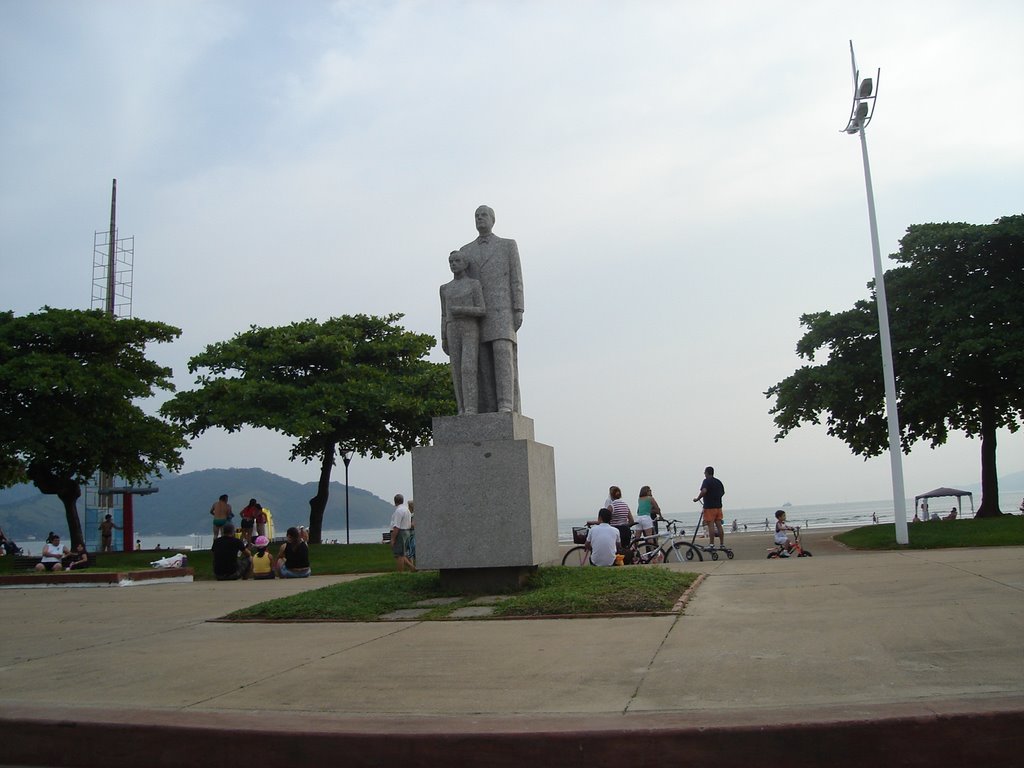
[[864, 94], [346, 456]]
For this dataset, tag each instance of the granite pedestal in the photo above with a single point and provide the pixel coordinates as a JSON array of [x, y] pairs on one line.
[[485, 501]]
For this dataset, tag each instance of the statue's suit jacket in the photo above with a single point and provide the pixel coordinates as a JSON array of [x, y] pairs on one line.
[[494, 261]]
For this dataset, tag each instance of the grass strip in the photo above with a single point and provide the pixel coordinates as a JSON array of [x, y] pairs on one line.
[[1003, 531], [566, 591], [554, 591]]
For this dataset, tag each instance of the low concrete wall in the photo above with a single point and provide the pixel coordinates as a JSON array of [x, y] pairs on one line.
[[976, 733], [95, 579]]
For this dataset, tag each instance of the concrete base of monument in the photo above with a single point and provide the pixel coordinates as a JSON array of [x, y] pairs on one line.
[[485, 500], [486, 580]]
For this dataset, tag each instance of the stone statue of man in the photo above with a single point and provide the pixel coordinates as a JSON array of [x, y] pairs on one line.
[[494, 261], [462, 306]]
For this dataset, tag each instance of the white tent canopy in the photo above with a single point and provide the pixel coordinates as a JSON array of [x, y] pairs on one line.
[[940, 492]]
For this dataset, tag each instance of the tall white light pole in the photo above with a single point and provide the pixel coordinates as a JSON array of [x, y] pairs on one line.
[[864, 94]]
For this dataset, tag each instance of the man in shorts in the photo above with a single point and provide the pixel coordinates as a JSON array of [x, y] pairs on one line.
[[401, 525], [221, 512], [711, 493], [106, 530]]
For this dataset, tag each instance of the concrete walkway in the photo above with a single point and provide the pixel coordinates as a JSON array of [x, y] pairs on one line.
[[831, 660]]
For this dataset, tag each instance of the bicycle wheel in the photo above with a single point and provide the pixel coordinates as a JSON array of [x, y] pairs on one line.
[[678, 552], [805, 553], [576, 556]]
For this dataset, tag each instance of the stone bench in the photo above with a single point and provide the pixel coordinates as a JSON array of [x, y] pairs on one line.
[[87, 577]]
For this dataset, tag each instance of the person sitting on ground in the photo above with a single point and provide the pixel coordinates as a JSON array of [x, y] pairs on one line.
[[53, 553], [7, 547], [231, 557], [603, 540], [293, 557], [262, 561], [952, 514], [78, 559], [781, 533]]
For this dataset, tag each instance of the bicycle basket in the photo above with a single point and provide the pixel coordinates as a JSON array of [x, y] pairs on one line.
[[579, 535]]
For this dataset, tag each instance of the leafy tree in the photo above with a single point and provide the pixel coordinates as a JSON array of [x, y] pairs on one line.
[[353, 383], [956, 306], [69, 380]]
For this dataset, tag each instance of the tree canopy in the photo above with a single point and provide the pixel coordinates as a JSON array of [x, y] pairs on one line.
[[957, 328], [69, 382], [354, 383]]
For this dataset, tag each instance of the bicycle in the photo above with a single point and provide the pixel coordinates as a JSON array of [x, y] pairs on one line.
[[798, 550], [674, 548]]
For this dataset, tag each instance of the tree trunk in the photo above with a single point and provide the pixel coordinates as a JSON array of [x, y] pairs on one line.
[[989, 477], [70, 501], [318, 503], [67, 491]]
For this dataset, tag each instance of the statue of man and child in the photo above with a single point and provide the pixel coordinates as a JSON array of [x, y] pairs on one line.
[[481, 310]]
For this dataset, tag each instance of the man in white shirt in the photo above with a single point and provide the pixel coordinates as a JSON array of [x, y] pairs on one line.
[[603, 540], [401, 525]]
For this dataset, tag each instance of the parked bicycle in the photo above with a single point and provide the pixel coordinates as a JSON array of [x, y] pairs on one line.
[[668, 547]]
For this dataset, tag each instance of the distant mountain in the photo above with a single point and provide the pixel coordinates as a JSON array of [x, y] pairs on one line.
[[182, 504], [1011, 483]]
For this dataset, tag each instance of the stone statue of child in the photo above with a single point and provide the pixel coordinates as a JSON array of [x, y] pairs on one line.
[[462, 306]]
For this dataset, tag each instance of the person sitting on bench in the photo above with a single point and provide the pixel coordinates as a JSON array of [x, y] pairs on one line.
[[77, 560], [53, 553]]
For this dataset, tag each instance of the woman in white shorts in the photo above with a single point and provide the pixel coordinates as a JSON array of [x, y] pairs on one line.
[[647, 511]]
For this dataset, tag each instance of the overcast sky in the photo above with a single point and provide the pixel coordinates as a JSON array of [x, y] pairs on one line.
[[674, 174]]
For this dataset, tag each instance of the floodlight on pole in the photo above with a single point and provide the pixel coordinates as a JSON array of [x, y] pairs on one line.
[[865, 92]]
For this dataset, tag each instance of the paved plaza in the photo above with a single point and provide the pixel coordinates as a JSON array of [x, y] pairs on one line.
[[920, 650]]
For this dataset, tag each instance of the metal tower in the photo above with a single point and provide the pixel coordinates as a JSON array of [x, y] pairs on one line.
[[113, 263]]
